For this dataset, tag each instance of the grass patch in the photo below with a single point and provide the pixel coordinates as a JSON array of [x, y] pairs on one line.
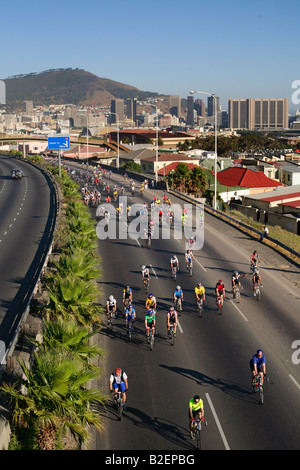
[[290, 239]]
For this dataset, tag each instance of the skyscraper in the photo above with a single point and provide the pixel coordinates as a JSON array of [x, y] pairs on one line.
[[117, 107], [258, 114], [131, 105], [211, 105], [175, 105], [190, 111]]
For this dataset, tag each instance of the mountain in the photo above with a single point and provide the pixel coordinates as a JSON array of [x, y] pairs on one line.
[[66, 86]]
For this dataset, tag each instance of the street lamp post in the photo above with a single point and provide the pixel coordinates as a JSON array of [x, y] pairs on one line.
[[87, 133], [216, 130], [118, 140], [156, 153]]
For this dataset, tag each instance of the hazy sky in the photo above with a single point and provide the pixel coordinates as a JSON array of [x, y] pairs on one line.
[[237, 49]]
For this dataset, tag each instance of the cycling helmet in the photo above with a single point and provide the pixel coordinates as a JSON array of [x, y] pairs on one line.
[[196, 397], [172, 309], [111, 298], [150, 295], [143, 267], [256, 271], [236, 273], [118, 370], [220, 282], [259, 351], [130, 307], [199, 284], [178, 287]]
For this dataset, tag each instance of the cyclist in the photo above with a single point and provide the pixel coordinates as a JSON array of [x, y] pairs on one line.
[[174, 263], [199, 293], [178, 297], [236, 282], [127, 296], [111, 306], [148, 235], [150, 302], [189, 258], [258, 365], [220, 291], [192, 242], [254, 259], [145, 275], [150, 322], [130, 315], [256, 280], [196, 410], [118, 381], [172, 320]]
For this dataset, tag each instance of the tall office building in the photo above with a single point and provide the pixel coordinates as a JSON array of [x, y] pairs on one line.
[[211, 105], [131, 105], [28, 107], [117, 107], [200, 107], [258, 114], [190, 111], [175, 105]]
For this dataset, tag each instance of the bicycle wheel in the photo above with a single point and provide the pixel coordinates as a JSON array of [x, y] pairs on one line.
[[120, 408], [258, 293], [238, 296], [151, 341], [261, 395], [172, 336], [130, 332]]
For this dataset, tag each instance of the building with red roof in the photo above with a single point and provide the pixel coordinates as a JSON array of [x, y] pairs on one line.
[[256, 181]]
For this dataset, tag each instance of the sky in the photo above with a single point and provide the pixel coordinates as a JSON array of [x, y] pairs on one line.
[[235, 49]]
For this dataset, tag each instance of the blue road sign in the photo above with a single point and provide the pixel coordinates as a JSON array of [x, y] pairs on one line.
[[58, 142]]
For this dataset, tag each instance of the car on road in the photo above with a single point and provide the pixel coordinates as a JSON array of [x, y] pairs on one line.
[[16, 174]]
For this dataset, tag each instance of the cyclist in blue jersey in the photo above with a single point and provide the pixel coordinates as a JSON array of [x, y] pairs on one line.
[[178, 296], [130, 315], [258, 365]]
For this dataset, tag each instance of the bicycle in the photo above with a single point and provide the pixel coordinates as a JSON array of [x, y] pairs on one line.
[[257, 387], [220, 304], [119, 402], [190, 268], [196, 432], [257, 291], [146, 283], [237, 294], [200, 307], [150, 338], [178, 305], [130, 330], [172, 334], [148, 242], [111, 319], [174, 272]]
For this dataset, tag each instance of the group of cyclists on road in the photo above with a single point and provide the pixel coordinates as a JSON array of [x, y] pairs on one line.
[[118, 380]]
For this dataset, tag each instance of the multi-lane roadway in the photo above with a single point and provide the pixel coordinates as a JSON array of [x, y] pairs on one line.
[[211, 354], [27, 218]]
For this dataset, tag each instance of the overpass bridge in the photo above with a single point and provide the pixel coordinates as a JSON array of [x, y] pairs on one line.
[[112, 145]]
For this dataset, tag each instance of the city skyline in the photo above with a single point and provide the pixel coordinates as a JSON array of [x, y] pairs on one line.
[[240, 51]]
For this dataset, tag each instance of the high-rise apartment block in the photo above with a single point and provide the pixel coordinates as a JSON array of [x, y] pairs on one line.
[[258, 114], [117, 107], [190, 111], [131, 105], [175, 105]]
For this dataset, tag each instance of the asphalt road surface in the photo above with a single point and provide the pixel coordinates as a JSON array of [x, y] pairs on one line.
[[211, 354], [26, 223]]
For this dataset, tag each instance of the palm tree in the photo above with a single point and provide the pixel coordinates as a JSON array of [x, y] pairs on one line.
[[198, 182], [67, 337], [56, 398], [79, 263], [73, 298]]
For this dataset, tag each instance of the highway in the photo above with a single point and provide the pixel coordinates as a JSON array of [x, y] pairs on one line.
[[211, 354], [26, 227]]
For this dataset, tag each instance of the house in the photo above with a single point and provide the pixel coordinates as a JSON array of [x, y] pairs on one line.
[[256, 181], [82, 153], [289, 174], [149, 163]]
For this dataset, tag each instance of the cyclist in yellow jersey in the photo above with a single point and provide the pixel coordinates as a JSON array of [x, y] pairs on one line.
[[196, 410], [199, 292]]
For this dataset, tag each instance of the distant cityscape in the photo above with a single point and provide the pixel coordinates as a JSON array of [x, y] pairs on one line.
[[196, 115]]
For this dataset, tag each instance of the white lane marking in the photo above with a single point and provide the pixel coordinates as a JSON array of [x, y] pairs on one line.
[[295, 381], [240, 312], [217, 422], [201, 265], [179, 326], [152, 269]]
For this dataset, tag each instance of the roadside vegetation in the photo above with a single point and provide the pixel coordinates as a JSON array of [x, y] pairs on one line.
[[54, 400]]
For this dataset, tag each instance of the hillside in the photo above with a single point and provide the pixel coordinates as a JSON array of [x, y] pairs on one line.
[[61, 86]]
